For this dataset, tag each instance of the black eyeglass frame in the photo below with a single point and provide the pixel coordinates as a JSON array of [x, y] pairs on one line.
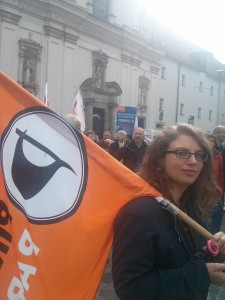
[[198, 158]]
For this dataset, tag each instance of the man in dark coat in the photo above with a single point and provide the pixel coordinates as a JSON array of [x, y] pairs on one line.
[[118, 143], [131, 155]]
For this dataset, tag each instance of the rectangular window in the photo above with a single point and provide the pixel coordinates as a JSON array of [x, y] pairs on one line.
[[163, 73], [211, 91], [100, 9], [210, 115], [200, 86], [199, 112], [161, 104], [222, 121], [183, 80], [181, 109]]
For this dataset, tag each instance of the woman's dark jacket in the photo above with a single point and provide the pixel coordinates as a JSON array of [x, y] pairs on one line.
[[131, 155], [154, 255]]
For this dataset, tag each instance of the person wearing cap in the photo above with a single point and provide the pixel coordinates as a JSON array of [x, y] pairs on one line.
[[118, 143]]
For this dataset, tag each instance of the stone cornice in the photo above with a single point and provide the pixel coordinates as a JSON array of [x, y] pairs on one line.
[[35, 7], [60, 34], [71, 38], [26, 43], [130, 60], [78, 20], [9, 17]]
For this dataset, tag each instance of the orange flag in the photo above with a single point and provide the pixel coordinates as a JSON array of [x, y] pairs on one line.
[[59, 195]]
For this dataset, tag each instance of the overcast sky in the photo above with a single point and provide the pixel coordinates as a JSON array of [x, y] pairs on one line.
[[201, 21]]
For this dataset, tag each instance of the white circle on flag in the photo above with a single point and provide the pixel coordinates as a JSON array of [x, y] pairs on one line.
[[44, 166]]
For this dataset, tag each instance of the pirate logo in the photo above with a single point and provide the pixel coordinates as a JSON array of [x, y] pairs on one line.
[[44, 166]]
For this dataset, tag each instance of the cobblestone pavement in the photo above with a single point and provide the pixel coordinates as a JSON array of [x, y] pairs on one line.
[[106, 290]]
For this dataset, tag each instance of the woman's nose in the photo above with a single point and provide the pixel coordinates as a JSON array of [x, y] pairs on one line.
[[192, 158]]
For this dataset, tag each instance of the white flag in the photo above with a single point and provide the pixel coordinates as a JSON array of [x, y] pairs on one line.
[[78, 109], [46, 102], [136, 122]]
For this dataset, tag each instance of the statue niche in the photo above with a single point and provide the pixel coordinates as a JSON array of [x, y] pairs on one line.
[[29, 64], [27, 72], [99, 76]]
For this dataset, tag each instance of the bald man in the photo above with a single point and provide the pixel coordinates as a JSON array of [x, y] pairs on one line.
[[132, 154]]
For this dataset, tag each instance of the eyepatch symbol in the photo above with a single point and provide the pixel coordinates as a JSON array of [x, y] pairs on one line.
[[30, 179]]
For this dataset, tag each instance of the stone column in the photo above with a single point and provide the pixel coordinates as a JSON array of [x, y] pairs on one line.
[[89, 103], [112, 115], [38, 72], [21, 62]]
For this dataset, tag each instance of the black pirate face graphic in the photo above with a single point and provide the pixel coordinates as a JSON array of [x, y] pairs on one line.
[[44, 166], [36, 176]]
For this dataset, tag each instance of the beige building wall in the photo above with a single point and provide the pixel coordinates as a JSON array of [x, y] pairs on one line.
[[63, 37]]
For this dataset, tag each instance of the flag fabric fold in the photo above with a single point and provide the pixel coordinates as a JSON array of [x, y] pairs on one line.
[[78, 109], [59, 196]]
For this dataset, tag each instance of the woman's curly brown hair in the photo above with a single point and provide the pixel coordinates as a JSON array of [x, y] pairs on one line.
[[202, 192]]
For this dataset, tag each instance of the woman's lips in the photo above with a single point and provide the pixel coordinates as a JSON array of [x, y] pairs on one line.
[[190, 173]]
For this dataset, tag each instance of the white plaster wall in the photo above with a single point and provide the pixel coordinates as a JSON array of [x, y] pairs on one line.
[[9, 50], [84, 64], [129, 85], [125, 84], [192, 98], [69, 70], [221, 104], [134, 87], [55, 75], [113, 72], [166, 89]]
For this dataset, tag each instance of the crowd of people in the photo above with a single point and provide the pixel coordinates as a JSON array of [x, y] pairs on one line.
[[127, 149], [156, 254]]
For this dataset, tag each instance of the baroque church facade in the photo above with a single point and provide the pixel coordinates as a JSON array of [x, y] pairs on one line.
[[116, 55]]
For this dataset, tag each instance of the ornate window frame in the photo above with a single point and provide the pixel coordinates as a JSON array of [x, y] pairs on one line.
[[29, 64], [99, 65], [144, 83]]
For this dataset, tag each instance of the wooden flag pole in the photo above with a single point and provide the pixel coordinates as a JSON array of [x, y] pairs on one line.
[[192, 223]]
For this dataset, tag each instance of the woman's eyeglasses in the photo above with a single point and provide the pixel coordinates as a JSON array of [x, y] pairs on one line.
[[184, 154]]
